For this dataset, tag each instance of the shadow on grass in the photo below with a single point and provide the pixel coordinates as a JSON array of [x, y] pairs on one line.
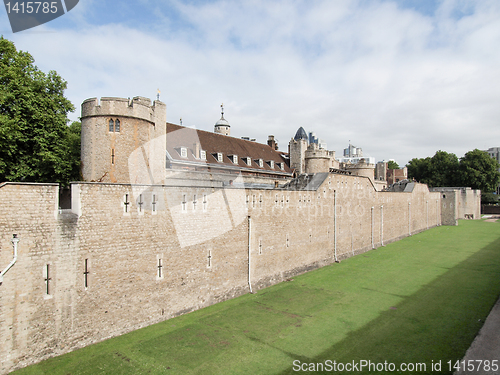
[[426, 327]]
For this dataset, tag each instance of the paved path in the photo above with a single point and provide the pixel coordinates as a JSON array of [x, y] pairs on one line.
[[486, 345]]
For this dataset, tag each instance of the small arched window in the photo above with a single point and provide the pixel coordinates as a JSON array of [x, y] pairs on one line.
[[117, 125]]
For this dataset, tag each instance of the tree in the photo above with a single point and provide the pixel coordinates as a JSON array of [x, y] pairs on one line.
[[35, 141], [479, 171], [440, 170], [392, 165], [476, 169], [444, 169], [74, 143], [420, 169]]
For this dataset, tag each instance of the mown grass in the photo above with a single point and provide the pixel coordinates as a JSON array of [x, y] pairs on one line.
[[419, 300]]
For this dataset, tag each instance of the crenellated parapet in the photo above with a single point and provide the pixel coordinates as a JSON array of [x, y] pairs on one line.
[[137, 107]]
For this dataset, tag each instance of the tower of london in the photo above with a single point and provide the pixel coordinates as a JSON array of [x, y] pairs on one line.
[[171, 219]]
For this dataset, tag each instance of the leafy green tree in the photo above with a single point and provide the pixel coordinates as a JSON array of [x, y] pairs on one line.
[[74, 142], [476, 169], [489, 198], [35, 141], [420, 169], [444, 169], [479, 171], [392, 165], [440, 170]]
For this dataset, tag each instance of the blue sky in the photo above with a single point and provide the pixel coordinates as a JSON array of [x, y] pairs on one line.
[[400, 79]]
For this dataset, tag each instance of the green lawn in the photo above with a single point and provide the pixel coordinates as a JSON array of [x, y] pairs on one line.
[[419, 300]]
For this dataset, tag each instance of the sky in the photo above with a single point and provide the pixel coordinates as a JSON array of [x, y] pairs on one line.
[[401, 79]]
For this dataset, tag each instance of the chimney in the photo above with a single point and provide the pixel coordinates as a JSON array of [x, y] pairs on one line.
[[196, 150], [272, 143]]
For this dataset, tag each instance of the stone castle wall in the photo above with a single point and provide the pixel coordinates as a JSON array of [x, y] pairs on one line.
[[127, 256], [459, 203]]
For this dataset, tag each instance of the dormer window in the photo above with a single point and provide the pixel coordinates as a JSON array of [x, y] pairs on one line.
[[234, 158], [282, 166], [218, 156], [184, 152], [203, 155], [248, 161], [260, 162], [270, 163]]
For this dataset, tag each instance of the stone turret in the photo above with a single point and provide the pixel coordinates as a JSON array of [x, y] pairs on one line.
[[123, 140], [297, 151], [362, 168], [319, 160]]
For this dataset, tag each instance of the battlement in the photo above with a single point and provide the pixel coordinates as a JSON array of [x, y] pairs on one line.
[[137, 107]]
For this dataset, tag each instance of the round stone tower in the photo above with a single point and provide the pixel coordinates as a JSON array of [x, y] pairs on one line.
[[123, 140]]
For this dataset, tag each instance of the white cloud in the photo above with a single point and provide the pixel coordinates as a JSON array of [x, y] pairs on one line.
[[395, 82]]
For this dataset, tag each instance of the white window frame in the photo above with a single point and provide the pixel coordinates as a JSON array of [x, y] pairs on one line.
[[220, 157], [203, 155], [184, 153]]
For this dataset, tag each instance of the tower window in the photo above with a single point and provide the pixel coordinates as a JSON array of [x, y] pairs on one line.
[[114, 126]]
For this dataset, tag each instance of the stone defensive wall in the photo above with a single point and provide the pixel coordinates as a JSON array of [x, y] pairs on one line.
[[127, 256]]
